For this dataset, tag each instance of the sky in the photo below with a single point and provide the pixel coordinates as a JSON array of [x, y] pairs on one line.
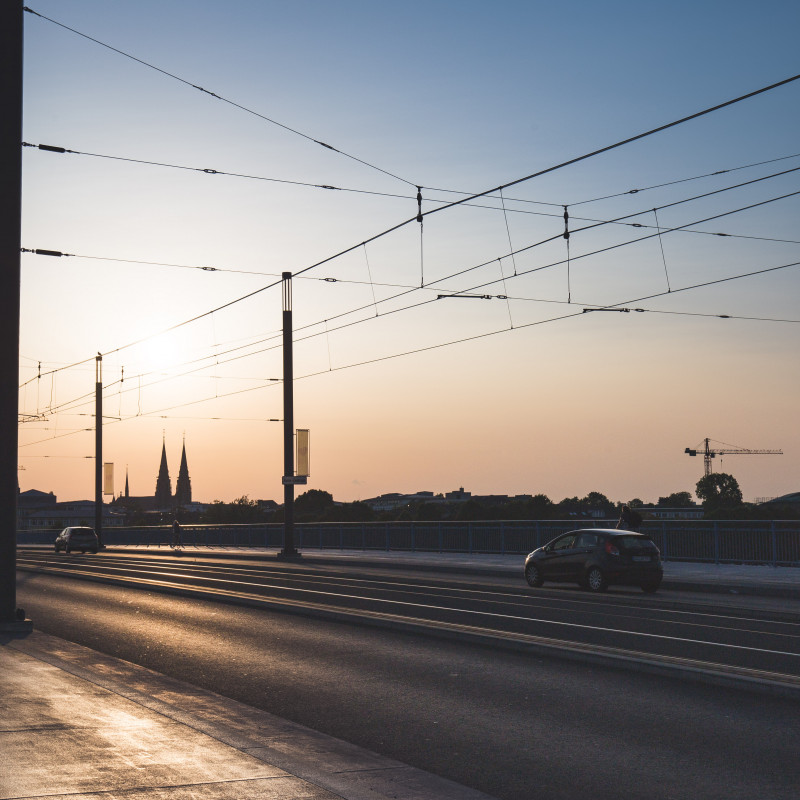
[[455, 353]]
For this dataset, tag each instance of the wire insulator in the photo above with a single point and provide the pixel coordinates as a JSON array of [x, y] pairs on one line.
[[566, 223], [419, 204]]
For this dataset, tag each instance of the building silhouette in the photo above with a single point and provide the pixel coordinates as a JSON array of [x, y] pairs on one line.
[[163, 500]]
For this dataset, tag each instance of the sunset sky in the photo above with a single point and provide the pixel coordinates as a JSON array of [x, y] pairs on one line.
[[522, 392]]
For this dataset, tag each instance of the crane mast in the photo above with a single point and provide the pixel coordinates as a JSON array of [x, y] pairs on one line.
[[710, 452]]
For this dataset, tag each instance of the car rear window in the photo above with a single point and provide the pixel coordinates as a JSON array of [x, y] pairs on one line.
[[634, 543]]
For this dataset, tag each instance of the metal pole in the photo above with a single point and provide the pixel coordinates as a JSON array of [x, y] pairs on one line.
[[289, 550], [98, 449], [12, 619]]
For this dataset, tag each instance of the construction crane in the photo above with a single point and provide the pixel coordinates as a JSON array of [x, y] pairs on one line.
[[729, 450]]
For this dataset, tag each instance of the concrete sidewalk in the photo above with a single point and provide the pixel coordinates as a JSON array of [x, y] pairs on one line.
[[76, 723]]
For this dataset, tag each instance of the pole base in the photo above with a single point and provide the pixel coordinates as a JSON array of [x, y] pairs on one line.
[[16, 627], [289, 555]]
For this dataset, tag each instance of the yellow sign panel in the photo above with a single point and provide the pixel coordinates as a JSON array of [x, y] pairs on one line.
[[108, 479], [303, 454]]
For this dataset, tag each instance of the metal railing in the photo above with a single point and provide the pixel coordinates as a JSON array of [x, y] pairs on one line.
[[772, 542]]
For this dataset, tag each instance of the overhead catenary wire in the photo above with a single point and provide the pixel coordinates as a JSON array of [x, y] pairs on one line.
[[476, 337], [517, 181], [616, 246], [513, 183], [400, 225], [539, 268], [219, 97], [683, 180], [597, 307], [430, 199], [651, 187], [620, 143]]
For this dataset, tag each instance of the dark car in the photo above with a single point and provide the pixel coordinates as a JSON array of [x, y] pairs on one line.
[[77, 538], [594, 558]]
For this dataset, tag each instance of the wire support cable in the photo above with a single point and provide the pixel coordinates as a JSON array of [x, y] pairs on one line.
[[218, 97], [566, 239], [480, 194], [559, 318], [661, 244], [684, 180], [402, 224], [613, 246], [371, 282], [484, 335], [393, 195], [464, 293], [209, 171], [411, 290], [620, 143], [508, 232]]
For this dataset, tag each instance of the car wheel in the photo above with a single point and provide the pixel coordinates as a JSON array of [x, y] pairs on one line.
[[651, 587], [93, 552], [596, 581], [533, 575]]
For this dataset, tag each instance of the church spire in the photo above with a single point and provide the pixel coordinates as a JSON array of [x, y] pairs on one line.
[[163, 496], [183, 486]]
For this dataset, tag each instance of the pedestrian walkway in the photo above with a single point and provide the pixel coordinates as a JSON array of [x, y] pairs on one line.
[[77, 723]]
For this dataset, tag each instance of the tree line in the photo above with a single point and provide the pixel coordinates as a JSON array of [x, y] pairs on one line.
[[719, 493]]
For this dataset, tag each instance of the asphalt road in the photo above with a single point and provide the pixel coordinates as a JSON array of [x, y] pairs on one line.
[[510, 724]]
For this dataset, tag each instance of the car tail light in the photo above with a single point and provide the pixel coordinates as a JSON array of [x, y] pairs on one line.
[[611, 550]]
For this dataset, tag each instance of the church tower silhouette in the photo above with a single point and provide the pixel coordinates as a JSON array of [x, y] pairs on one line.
[[163, 498], [183, 486]]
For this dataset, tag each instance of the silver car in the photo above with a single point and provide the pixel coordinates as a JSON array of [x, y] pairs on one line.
[[77, 538]]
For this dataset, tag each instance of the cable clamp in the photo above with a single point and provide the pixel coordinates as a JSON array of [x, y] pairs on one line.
[[201, 89]]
